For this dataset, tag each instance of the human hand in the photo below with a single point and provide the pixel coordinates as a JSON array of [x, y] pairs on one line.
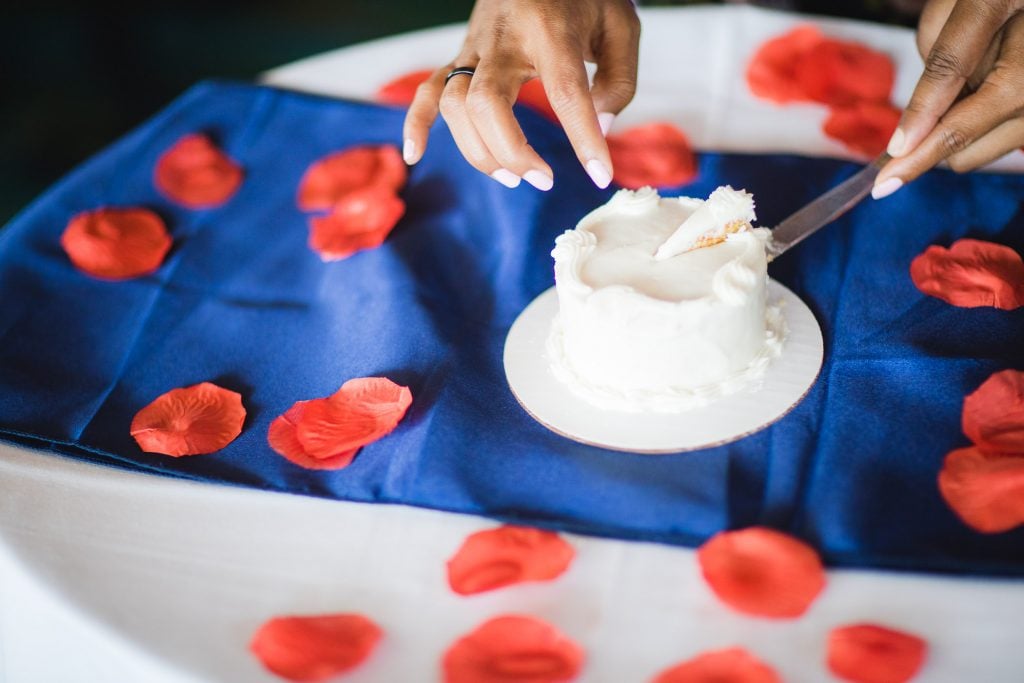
[[973, 48], [508, 43]]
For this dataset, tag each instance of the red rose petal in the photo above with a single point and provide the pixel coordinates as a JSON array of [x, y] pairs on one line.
[[771, 73], [400, 91], [513, 648], [202, 418], [360, 412], [334, 176], [993, 416], [116, 244], [986, 490], [841, 73], [656, 154], [195, 173], [509, 554], [865, 653], [971, 273], [864, 127], [532, 95], [314, 648], [856, 81], [360, 220], [762, 572], [284, 440], [805, 66], [732, 665]]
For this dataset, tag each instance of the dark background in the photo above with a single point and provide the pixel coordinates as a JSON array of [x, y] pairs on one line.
[[74, 76]]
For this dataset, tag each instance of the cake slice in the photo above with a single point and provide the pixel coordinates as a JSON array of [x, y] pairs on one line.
[[725, 212]]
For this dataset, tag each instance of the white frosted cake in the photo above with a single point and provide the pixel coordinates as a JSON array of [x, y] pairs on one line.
[[662, 302]]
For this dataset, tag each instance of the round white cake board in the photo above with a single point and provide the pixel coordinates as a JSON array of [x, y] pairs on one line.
[[786, 381]]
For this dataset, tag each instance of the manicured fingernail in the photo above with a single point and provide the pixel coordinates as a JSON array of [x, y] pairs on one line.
[[598, 172], [896, 143], [408, 150], [886, 187], [506, 177], [542, 181], [605, 120]]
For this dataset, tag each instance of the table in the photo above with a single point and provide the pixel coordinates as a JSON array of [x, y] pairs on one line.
[[108, 575]]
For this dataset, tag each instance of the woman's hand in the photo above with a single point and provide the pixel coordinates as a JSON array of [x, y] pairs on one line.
[[508, 43], [973, 49]]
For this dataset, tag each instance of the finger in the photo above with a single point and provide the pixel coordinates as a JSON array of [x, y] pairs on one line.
[[468, 140], [615, 79], [967, 121], [421, 115], [1006, 138], [999, 99], [934, 16], [492, 91], [961, 44], [565, 81]]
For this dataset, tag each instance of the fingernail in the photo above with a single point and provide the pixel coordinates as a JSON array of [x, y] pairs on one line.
[[506, 177], [408, 150], [605, 120], [896, 143], [886, 188], [598, 172], [542, 181]]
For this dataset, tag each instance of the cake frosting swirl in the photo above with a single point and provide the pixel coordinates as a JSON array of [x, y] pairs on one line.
[[662, 302]]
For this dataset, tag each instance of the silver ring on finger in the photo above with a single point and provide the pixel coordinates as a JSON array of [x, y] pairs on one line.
[[459, 71]]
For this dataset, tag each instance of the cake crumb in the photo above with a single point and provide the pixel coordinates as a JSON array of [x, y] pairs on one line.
[[730, 229]]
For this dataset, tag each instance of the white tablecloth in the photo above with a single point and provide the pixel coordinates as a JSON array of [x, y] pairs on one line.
[[107, 575]]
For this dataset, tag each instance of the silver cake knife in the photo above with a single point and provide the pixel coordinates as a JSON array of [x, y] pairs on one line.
[[824, 209]]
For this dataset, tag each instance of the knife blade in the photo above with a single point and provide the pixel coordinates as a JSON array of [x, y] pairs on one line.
[[825, 209]]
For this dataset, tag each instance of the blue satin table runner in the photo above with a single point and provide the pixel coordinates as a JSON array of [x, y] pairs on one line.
[[242, 301]]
